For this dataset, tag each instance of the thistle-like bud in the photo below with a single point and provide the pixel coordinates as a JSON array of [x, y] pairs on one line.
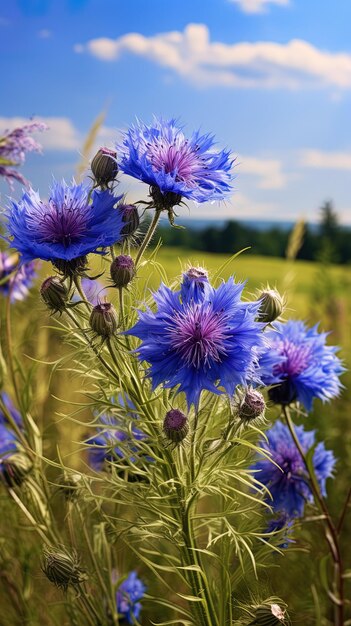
[[122, 270], [272, 305], [62, 568], [251, 405], [270, 615], [195, 285], [130, 217], [54, 293], [70, 484], [175, 426], [14, 468], [103, 319], [104, 167]]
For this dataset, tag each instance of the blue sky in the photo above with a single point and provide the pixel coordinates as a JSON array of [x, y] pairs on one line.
[[270, 78]]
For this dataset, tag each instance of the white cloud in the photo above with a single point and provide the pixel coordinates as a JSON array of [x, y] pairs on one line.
[[263, 64], [326, 160], [61, 135], [269, 171], [44, 33], [257, 6]]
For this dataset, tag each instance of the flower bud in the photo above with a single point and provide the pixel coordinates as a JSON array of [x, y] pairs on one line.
[[14, 468], [270, 615], [62, 568], [70, 484], [251, 405], [54, 293], [130, 217], [272, 305], [104, 167], [122, 270], [103, 319], [175, 426], [194, 286]]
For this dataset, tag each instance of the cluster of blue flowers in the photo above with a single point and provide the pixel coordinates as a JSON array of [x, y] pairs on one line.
[[195, 339]]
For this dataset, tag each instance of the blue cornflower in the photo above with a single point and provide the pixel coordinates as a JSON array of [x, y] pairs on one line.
[[14, 145], [309, 369], [288, 483], [131, 590], [65, 227], [6, 400], [161, 156], [8, 439], [21, 281], [281, 523], [104, 445], [211, 343]]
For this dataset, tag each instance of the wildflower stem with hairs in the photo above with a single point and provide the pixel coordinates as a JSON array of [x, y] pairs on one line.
[[148, 236], [331, 533]]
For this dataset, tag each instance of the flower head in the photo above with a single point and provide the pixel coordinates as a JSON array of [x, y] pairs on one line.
[[104, 446], [65, 227], [161, 156], [128, 595], [288, 483], [13, 147], [210, 344], [308, 368], [20, 282], [8, 439]]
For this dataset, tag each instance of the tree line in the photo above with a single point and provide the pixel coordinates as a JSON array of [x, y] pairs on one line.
[[326, 241]]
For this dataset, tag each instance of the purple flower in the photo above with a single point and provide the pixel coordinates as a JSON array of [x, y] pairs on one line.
[[210, 344], [6, 400], [65, 227], [22, 279], [288, 483], [13, 147], [309, 369], [161, 156], [93, 289], [8, 439], [104, 446], [128, 595]]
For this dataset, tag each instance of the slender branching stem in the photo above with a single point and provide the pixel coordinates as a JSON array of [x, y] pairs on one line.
[[10, 352], [149, 234], [78, 284], [90, 344], [331, 532], [344, 511]]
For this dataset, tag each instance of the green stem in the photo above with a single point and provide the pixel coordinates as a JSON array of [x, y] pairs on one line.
[[121, 307], [96, 352], [10, 346], [149, 235], [331, 533], [78, 284]]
